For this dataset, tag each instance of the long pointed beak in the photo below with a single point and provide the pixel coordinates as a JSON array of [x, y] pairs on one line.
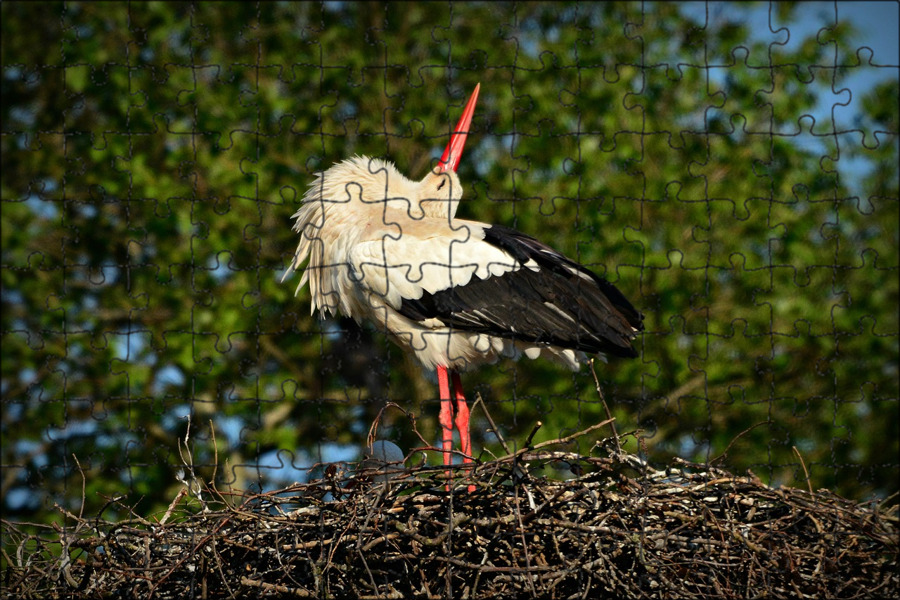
[[453, 151]]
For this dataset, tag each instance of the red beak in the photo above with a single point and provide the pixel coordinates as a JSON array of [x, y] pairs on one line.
[[453, 151]]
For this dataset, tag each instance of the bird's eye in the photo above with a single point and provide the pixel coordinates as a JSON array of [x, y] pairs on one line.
[[441, 184]]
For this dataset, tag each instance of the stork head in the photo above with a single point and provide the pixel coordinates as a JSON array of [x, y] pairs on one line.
[[439, 193], [440, 190]]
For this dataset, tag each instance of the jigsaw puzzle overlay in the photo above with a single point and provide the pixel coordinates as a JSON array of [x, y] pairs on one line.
[[732, 170]]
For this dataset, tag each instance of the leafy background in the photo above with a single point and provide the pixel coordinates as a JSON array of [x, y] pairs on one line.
[[730, 179]]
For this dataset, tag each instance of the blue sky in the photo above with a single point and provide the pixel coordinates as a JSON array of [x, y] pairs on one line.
[[874, 48]]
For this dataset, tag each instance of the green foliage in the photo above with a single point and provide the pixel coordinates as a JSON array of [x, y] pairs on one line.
[[152, 154]]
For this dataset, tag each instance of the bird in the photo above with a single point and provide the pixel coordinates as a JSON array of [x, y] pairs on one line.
[[454, 293]]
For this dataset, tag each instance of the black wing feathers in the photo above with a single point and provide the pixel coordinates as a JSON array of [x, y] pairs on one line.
[[561, 303]]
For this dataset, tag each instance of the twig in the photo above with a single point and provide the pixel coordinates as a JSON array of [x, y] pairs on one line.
[[212, 431], [805, 472], [612, 424], [496, 432], [181, 494], [563, 440], [373, 428], [534, 430], [83, 484], [735, 439], [569, 438]]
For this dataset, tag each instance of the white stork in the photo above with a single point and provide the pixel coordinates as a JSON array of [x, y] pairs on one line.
[[452, 292]]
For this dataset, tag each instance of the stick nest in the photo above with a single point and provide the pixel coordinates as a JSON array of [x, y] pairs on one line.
[[615, 528]]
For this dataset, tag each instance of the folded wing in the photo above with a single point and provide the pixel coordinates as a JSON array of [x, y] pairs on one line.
[[500, 282]]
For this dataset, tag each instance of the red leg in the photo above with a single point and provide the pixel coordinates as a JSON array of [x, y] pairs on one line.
[[446, 414], [462, 421], [462, 417]]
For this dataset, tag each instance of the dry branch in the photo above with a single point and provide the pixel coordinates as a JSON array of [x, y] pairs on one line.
[[617, 529]]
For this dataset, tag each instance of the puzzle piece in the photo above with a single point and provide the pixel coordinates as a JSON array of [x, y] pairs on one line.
[[730, 169]]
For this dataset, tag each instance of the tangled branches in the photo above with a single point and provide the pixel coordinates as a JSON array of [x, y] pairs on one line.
[[614, 528]]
